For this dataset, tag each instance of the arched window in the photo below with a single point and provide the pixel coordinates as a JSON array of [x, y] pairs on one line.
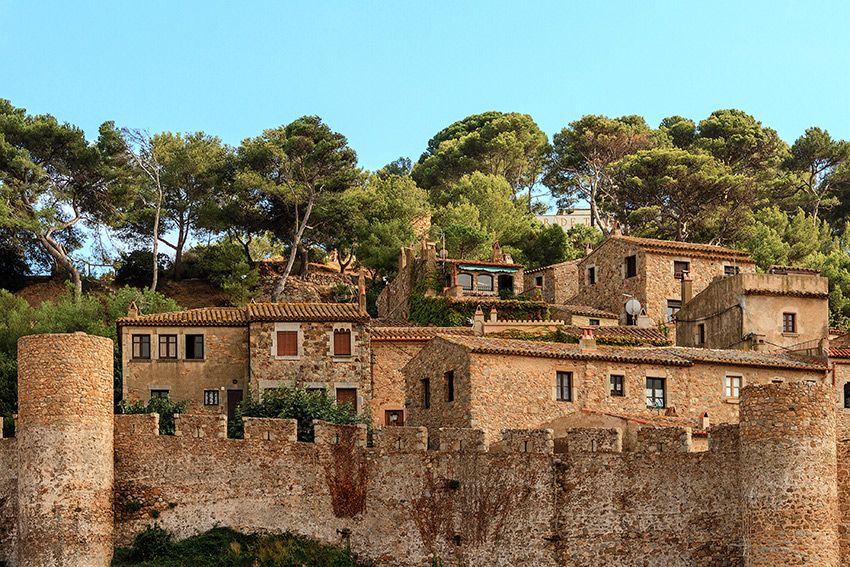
[[464, 281], [847, 394], [485, 282]]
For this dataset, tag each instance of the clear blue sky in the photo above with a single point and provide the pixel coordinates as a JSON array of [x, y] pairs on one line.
[[390, 74]]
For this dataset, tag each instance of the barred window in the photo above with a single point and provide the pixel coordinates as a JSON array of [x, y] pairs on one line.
[[159, 394], [211, 397]]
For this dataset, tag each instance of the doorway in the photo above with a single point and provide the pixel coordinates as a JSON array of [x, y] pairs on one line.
[[234, 398]]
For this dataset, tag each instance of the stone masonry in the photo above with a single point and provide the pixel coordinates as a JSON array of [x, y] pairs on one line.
[[766, 492]]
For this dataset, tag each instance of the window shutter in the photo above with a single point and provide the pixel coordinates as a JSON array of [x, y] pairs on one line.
[[342, 342], [287, 343]]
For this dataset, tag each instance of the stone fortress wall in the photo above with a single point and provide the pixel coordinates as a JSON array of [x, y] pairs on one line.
[[767, 492]]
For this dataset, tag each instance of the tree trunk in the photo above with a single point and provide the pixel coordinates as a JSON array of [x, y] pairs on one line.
[[280, 286], [343, 264], [304, 255], [54, 249], [155, 278]]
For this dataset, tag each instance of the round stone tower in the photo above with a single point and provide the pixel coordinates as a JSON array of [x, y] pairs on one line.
[[65, 451], [788, 475]]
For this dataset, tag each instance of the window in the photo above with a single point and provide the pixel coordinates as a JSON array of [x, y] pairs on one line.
[[159, 394], [631, 319], [631, 266], [194, 347], [465, 281], [680, 267], [591, 275], [616, 381], [593, 322], [426, 393], [210, 397], [847, 395], [538, 281], [342, 342], [168, 346], [673, 306], [394, 417], [700, 337], [564, 386], [732, 386], [789, 322], [142, 347], [450, 385], [655, 395], [485, 282], [731, 271], [347, 396], [287, 343]]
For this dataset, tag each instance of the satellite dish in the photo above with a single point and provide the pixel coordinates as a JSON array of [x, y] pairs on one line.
[[633, 307]]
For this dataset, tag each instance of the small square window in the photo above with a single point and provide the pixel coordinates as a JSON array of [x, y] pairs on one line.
[[680, 268], [538, 281], [616, 381], [347, 396], [211, 397], [591, 275], [142, 347], [729, 271], [732, 386], [168, 346], [789, 322], [287, 343], [161, 394], [593, 322], [450, 385], [564, 386], [194, 347], [631, 266]]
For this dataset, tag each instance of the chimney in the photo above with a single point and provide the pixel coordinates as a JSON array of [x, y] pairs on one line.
[[705, 422], [133, 310], [587, 342], [687, 288], [361, 290], [494, 316], [478, 322]]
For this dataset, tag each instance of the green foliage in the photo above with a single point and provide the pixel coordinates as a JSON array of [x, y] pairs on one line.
[[163, 406], [560, 335], [343, 293], [223, 547], [15, 267], [446, 312], [299, 404], [136, 268], [225, 265]]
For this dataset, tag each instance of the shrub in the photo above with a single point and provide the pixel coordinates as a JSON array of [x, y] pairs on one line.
[[447, 312], [299, 404], [135, 268], [343, 293], [224, 265], [152, 543], [163, 406]]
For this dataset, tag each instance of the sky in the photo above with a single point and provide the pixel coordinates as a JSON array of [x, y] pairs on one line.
[[389, 75]]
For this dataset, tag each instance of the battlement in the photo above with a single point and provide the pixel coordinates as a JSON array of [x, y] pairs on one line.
[[664, 439], [271, 429], [401, 439], [528, 441], [580, 439]]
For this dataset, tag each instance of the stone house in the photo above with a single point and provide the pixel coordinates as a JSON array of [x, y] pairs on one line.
[[783, 308], [212, 356], [650, 271], [558, 283], [496, 384]]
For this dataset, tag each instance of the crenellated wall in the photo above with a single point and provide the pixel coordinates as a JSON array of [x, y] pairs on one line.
[[766, 492]]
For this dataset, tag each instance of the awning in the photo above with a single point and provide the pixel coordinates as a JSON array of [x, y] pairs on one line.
[[491, 269]]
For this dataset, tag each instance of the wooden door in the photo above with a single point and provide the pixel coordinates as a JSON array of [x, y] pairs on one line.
[[234, 397], [347, 396]]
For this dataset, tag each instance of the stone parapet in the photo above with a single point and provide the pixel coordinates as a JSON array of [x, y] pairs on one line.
[[528, 441], [200, 426], [401, 439], [271, 429], [580, 439], [664, 439]]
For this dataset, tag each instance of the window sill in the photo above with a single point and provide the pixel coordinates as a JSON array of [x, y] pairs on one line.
[[148, 360], [791, 335], [171, 360], [285, 358], [343, 358], [194, 359], [731, 400]]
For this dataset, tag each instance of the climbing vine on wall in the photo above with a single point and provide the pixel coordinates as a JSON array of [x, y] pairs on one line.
[[346, 475]]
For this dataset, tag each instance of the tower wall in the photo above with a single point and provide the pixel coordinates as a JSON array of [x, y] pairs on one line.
[[788, 475], [65, 451]]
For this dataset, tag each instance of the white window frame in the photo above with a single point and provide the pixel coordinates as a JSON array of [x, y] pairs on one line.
[[331, 353], [729, 388]]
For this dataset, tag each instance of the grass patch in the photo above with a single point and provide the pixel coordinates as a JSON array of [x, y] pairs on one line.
[[223, 547]]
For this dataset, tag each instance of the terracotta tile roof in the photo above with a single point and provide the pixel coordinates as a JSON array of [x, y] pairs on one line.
[[416, 333], [584, 310], [541, 268], [483, 263], [622, 332], [777, 269], [672, 356], [542, 349], [239, 316], [839, 353], [203, 317], [672, 247], [305, 312], [786, 293]]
